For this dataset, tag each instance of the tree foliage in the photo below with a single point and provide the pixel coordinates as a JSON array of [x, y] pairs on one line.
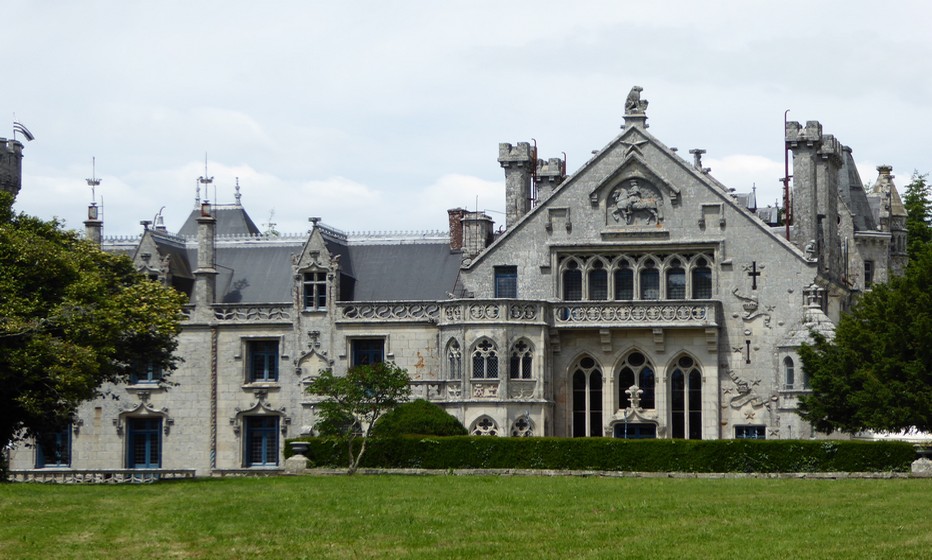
[[72, 318], [353, 403], [917, 200], [418, 417], [877, 372]]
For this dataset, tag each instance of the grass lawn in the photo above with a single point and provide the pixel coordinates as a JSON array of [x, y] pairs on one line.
[[525, 518]]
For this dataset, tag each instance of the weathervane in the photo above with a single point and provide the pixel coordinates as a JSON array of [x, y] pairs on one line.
[[205, 180], [93, 182]]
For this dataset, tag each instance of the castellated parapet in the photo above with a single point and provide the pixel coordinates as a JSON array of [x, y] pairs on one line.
[[11, 166]]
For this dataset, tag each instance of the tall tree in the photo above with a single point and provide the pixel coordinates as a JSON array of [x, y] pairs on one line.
[[917, 200], [357, 400], [72, 318], [877, 372]]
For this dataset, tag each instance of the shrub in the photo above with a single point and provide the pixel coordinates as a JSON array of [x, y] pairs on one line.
[[418, 417], [658, 455]]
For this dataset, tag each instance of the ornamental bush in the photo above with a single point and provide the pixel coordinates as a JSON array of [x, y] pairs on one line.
[[657, 455], [418, 417]]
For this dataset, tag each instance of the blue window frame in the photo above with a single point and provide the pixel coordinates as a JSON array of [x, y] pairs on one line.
[[367, 351], [750, 432], [261, 441], [143, 443], [146, 372], [263, 360], [53, 449], [506, 282]]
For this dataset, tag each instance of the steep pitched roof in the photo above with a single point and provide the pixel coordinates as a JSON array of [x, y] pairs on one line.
[[232, 219]]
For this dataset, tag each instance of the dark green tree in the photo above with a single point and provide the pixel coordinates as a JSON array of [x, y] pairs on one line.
[[418, 417], [877, 372], [353, 403], [917, 200], [72, 319]]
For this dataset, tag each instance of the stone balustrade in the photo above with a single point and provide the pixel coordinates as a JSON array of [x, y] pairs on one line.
[[388, 311], [252, 313], [648, 314]]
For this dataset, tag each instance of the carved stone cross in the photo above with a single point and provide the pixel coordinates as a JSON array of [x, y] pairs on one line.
[[754, 273]]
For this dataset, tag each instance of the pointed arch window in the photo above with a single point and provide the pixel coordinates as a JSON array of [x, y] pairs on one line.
[[519, 367], [686, 399], [650, 281], [637, 370], [789, 373], [485, 361], [702, 280], [572, 281], [455, 360], [676, 281], [587, 399], [598, 281], [624, 282]]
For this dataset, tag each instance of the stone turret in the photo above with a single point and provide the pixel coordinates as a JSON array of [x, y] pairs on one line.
[[890, 216], [11, 166], [519, 162], [817, 159], [550, 175]]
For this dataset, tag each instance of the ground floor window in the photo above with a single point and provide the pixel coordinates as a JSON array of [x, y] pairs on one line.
[[750, 432], [587, 399], [686, 400], [261, 441], [53, 449], [632, 430], [143, 443]]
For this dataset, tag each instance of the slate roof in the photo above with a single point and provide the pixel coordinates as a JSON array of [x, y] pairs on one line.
[[852, 192], [404, 272], [232, 219]]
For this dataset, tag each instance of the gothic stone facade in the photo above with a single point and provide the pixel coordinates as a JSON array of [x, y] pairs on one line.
[[638, 297]]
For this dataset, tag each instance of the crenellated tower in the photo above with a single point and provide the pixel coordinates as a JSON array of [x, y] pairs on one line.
[[11, 166]]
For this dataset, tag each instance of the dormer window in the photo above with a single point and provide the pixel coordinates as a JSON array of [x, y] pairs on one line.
[[315, 291]]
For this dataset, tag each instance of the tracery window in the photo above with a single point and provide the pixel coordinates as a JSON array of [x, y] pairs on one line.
[[637, 370], [485, 360], [484, 426], [523, 427], [519, 367], [686, 399], [626, 277], [587, 399]]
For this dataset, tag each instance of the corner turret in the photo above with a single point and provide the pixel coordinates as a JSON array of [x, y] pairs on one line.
[[11, 166]]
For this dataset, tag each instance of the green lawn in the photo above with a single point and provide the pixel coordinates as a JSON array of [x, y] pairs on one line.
[[525, 518]]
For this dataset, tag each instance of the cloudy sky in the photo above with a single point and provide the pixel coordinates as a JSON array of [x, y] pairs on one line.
[[382, 115]]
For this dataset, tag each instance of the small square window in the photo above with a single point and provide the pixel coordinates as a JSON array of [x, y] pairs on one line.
[[262, 360], [146, 372], [367, 351]]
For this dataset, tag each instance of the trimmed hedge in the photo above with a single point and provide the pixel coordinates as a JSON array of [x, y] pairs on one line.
[[607, 454], [418, 417]]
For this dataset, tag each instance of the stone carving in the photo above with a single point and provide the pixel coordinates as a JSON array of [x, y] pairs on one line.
[[521, 390], [634, 396], [746, 394], [523, 427], [635, 200], [484, 426], [752, 309], [634, 104], [485, 390]]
